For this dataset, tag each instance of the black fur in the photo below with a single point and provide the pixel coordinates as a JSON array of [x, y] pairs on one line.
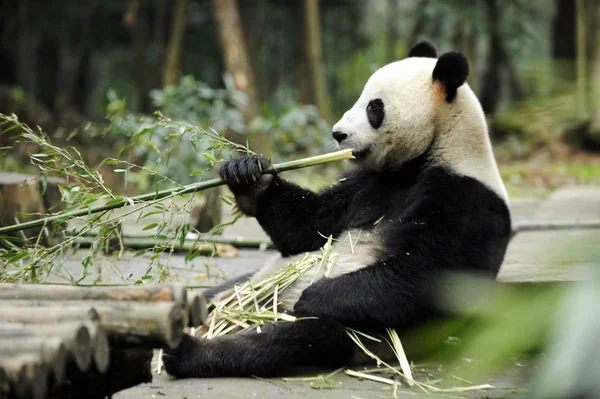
[[375, 113], [246, 181], [423, 49], [452, 70], [433, 222]]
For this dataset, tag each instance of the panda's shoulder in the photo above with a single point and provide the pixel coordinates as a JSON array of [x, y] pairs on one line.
[[460, 192]]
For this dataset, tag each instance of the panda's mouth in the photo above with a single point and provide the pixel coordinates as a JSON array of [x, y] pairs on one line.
[[359, 155]]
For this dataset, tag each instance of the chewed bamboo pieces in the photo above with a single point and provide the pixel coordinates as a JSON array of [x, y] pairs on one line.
[[254, 303]]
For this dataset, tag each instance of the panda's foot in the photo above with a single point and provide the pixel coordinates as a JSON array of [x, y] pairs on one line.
[[184, 360]]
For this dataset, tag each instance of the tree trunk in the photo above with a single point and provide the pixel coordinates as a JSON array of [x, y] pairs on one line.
[[581, 61], [563, 43], [517, 86], [75, 93], [25, 68], [173, 63], [595, 79], [491, 86], [392, 29], [563, 30], [238, 64], [312, 26], [303, 79], [419, 24], [47, 69], [465, 43], [253, 17], [140, 38]]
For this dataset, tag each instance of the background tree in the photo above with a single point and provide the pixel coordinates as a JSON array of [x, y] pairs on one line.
[[499, 61], [174, 48], [312, 26], [237, 63], [581, 60]]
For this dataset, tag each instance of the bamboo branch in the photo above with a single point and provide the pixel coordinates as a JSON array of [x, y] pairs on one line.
[[170, 193]]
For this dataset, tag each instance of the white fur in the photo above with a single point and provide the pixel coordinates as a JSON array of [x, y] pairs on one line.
[[355, 249], [417, 115]]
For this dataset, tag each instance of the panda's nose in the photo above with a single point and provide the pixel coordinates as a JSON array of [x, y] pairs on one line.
[[339, 136]]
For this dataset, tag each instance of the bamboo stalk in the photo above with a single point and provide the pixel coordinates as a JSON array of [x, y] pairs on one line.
[[142, 241], [174, 192], [149, 242]]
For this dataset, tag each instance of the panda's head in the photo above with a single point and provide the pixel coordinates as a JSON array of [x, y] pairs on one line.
[[402, 105]]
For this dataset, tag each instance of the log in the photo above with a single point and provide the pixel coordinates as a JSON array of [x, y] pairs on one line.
[[27, 375], [149, 293], [100, 345], [58, 314], [128, 368], [4, 384], [19, 194], [50, 350], [130, 323], [25, 194], [145, 325], [75, 336], [198, 309]]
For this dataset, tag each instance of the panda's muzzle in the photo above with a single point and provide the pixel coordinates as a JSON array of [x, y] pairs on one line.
[[339, 136]]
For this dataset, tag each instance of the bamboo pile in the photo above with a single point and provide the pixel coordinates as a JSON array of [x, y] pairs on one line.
[[61, 341]]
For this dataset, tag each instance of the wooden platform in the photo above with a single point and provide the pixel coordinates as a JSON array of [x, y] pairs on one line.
[[531, 257]]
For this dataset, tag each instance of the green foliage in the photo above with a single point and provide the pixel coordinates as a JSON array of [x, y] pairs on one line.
[[356, 70], [296, 131], [38, 258], [197, 103], [177, 154]]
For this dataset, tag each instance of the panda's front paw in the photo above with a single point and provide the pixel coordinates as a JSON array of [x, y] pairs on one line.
[[243, 174], [245, 179], [312, 302], [184, 360]]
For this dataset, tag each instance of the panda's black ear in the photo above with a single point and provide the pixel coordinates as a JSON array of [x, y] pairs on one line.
[[451, 70], [423, 49]]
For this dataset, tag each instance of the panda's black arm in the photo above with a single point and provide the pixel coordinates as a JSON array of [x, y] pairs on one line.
[[299, 220]]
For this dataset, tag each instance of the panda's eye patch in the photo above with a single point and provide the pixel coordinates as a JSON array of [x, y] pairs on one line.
[[375, 113]]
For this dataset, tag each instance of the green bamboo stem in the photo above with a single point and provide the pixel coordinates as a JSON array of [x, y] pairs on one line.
[[205, 247], [139, 241], [174, 192]]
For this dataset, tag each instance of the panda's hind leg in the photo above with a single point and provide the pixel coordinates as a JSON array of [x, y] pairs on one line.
[[272, 352]]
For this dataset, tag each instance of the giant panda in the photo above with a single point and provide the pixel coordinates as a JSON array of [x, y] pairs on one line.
[[423, 199]]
